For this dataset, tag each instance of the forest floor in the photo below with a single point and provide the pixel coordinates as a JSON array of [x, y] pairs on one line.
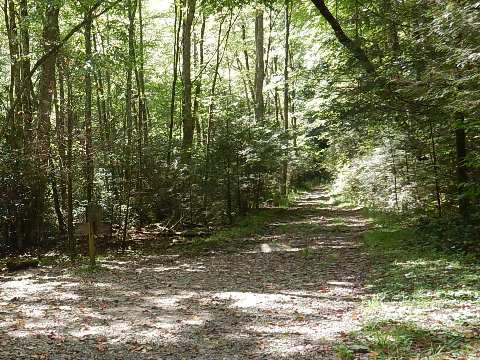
[[305, 287]]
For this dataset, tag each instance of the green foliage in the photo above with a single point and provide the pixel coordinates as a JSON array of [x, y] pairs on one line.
[[404, 270], [406, 275], [250, 225], [450, 233], [307, 252], [342, 352], [392, 147], [87, 271], [388, 339], [387, 141]]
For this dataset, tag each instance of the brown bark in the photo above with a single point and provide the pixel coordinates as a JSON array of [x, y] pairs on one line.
[[129, 114], [143, 107], [462, 173], [11, 28], [251, 87], [176, 59], [199, 59], [188, 125], [259, 67], [60, 113], [69, 163], [26, 95], [45, 96], [286, 99], [435, 170], [352, 46], [89, 168]]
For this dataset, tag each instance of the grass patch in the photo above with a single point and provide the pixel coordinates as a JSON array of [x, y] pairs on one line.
[[252, 224], [390, 220], [284, 202], [343, 352], [85, 270], [307, 252], [422, 284], [406, 340], [302, 228], [337, 221], [402, 271], [341, 201]]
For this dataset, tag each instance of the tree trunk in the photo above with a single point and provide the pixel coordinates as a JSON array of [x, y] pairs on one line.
[[211, 108], [286, 100], [199, 59], [462, 174], [26, 94], [435, 170], [352, 46], [45, 96], [395, 175], [89, 168], [228, 156], [56, 202], [69, 165], [188, 125], [259, 67], [141, 72], [60, 131], [176, 59], [129, 115], [278, 105], [251, 87], [15, 135]]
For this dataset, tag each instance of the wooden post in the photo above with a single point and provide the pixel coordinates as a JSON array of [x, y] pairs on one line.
[[92, 228], [94, 220], [91, 243]]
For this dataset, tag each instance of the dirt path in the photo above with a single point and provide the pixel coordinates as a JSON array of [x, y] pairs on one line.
[[290, 293]]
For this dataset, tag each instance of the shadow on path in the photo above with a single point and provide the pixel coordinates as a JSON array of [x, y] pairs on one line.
[[289, 293]]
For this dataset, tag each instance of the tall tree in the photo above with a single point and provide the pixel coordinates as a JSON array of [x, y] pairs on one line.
[[89, 161], [199, 63], [131, 8], [45, 99], [462, 174], [286, 99], [352, 46], [188, 125], [259, 65], [176, 59]]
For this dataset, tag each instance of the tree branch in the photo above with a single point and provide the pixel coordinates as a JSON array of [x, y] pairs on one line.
[[56, 48], [354, 48]]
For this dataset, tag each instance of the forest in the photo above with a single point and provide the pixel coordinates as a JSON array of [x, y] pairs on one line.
[[249, 179]]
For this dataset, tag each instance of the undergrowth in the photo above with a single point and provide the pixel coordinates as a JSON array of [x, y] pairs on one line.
[[408, 274], [450, 233], [252, 224], [407, 268]]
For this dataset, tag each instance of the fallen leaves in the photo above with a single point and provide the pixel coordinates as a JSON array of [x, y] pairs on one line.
[[40, 356], [242, 304], [102, 347]]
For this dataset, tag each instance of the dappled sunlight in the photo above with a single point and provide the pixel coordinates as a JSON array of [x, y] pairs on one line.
[[342, 284], [168, 300], [256, 301], [26, 287], [266, 248], [289, 291], [274, 246]]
